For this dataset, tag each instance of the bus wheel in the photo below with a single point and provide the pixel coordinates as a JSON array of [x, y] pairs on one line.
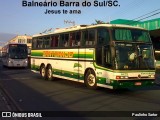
[[90, 79], [43, 71], [49, 73]]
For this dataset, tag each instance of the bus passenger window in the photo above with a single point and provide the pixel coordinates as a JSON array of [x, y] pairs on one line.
[[66, 40], [34, 43], [84, 37], [43, 43], [61, 40], [40, 43], [46, 42], [78, 38], [75, 39], [54, 41], [91, 40], [72, 39]]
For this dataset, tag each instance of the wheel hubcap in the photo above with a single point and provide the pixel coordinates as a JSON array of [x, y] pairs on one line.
[[49, 73], [91, 80], [43, 72]]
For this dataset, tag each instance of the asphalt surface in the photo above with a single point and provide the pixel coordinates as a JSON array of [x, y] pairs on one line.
[[7, 105], [23, 90]]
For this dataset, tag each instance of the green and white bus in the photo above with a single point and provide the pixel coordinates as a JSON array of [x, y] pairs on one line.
[[104, 55]]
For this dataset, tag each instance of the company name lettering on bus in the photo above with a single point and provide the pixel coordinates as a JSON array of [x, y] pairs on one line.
[[57, 54]]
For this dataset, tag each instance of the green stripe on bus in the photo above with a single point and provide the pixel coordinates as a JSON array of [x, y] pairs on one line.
[[68, 74], [74, 75], [62, 73], [40, 54], [82, 55], [37, 54], [102, 68]]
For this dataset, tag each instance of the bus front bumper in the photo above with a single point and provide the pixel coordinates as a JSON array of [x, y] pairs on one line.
[[132, 83]]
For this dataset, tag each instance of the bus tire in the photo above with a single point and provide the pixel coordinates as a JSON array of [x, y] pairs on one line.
[[43, 71], [49, 75], [90, 79]]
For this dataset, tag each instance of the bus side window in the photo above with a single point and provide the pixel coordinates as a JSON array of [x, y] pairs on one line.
[[46, 42], [40, 43], [75, 38], [61, 40], [78, 38], [84, 38], [43, 43], [102, 37], [72, 39], [91, 40], [66, 40], [54, 41], [34, 43]]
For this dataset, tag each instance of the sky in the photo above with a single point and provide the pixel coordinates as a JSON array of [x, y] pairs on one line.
[[16, 19]]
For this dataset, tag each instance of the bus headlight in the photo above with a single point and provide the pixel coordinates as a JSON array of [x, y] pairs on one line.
[[9, 61], [151, 76]]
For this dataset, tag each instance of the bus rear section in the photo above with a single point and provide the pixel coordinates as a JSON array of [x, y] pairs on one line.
[[15, 55]]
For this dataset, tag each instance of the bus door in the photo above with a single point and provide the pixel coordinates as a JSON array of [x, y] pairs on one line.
[[103, 52], [88, 47]]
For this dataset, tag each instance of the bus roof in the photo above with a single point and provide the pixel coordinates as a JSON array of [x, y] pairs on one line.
[[81, 27], [13, 44]]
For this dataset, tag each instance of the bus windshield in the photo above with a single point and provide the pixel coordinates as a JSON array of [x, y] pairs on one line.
[[131, 35], [130, 52], [18, 51], [134, 56]]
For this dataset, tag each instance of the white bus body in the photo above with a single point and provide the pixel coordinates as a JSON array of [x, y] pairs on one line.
[[102, 55]]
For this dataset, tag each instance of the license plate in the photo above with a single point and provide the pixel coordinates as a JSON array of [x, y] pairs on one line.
[[138, 83], [18, 64]]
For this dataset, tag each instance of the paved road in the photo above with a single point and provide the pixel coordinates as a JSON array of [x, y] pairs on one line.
[[31, 93]]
